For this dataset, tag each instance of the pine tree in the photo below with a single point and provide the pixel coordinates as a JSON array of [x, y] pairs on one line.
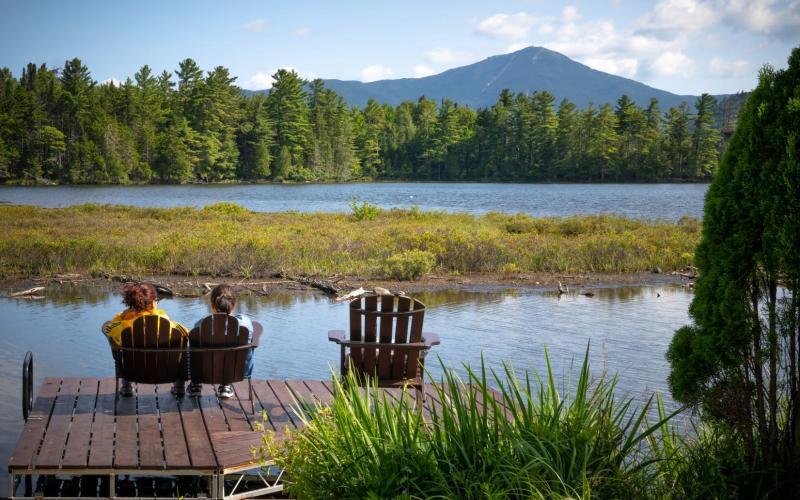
[[288, 110]]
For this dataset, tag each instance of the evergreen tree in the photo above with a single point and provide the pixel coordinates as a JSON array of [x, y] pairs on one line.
[[705, 139], [738, 361], [288, 110]]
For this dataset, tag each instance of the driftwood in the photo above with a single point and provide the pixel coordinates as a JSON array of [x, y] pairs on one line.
[[352, 295], [325, 286], [30, 291], [162, 290]]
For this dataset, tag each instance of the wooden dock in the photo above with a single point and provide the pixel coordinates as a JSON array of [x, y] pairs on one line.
[[154, 445]]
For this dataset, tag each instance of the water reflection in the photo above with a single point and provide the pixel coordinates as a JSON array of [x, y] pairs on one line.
[[628, 330]]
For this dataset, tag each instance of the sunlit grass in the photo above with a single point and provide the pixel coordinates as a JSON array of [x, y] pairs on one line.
[[228, 240]]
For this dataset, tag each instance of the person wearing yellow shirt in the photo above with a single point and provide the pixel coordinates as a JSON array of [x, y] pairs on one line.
[[141, 299]]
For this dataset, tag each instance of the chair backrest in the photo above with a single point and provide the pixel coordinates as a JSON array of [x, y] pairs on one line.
[[397, 321], [218, 366], [151, 367]]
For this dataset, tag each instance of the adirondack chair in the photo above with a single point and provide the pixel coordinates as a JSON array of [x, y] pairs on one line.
[[218, 350], [152, 352], [386, 345]]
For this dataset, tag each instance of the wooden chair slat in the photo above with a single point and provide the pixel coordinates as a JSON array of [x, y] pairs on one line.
[[219, 366], [398, 360], [370, 331], [386, 327], [356, 355], [412, 357]]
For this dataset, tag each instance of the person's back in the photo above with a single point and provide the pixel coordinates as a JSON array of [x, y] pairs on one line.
[[223, 300], [141, 300]]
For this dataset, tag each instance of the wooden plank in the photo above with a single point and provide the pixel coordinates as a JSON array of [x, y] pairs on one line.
[[55, 439], [34, 430], [213, 417], [76, 453], [151, 443], [197, 441], [322, 391], [237, 409], [233, 448], [176, 455], [412, 357], [126, 437], [101, 451], [277, 415]]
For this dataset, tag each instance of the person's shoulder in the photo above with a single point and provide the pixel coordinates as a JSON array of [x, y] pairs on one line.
[[244, 320]]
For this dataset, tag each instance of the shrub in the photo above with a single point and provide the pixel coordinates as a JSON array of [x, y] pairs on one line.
[[410, 264], [364, 210]]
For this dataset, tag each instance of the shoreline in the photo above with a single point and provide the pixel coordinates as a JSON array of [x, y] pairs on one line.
[[185, 286]]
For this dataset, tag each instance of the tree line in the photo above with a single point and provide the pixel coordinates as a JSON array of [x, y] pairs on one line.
[[58, 125]]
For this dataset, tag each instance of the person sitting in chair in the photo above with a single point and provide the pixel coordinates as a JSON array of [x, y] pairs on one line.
[[223, 300], [141, 299]]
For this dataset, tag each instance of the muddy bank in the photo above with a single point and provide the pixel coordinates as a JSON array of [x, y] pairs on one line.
[[198, 286]]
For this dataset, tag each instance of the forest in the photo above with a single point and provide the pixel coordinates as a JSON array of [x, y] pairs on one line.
[[58, 125]]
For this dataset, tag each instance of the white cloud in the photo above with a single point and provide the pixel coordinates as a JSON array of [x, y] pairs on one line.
[[722, 68], [546, 28], [421, 70], [444, 55], [671, 17], [259, 81], [256, 25], [625, 66], [263, 79], [569, 13], [112, 81], [672, 64], [764, 16], [302, 31], [376, 72], [508, 26]]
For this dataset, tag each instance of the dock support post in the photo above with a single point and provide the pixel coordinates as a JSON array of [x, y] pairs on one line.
[[112, 486]]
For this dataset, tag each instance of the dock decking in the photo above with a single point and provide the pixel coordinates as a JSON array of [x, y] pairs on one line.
[[74, 432]]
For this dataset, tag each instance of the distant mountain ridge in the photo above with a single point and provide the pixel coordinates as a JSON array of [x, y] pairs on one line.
[[527, 70]]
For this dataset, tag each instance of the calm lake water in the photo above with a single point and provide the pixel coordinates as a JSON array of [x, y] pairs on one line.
[[649, 201], [628, 328]]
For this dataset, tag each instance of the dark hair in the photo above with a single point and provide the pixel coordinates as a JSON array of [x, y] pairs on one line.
[[223, 298], [139, 296]]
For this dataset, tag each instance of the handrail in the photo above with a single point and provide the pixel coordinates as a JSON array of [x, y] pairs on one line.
[[183, 349]]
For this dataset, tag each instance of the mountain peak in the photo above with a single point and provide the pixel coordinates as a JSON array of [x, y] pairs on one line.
[[526, 70]]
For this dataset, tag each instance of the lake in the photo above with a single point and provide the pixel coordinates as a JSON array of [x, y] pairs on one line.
[[643, 201], [628, 329]]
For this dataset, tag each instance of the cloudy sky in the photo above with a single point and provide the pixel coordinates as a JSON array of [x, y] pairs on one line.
[[683, 46]]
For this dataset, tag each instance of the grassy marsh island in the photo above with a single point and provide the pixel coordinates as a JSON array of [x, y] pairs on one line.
[[226, 240]]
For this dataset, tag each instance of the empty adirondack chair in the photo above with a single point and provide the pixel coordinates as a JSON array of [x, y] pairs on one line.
[[218, 351], [152, 352], [387, 343]]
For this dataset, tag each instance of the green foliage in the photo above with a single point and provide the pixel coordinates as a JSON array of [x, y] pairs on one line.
[[364, 210], [64, 127], [224, 238], [739, 359], [532, 441], [410, 264]]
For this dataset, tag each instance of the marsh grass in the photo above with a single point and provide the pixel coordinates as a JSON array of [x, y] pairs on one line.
[[532, 441], [228, 240]]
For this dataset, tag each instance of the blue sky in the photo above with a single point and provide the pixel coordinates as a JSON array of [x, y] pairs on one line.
[[683, 46]]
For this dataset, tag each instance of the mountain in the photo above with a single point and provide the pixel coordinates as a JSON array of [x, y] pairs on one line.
[[527, 70]]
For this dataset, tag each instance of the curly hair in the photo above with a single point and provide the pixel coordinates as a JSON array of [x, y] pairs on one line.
[[139, 296]]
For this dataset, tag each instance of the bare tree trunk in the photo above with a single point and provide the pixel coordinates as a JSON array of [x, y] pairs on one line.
[[757, 371], [772, 336]]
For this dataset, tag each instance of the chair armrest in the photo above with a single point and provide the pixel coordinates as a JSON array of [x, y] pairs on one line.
[[430, 339], [257, 331], [336, 336]]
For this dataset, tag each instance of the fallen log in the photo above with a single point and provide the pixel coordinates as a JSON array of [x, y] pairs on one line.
[[325, 286], [29, 291]]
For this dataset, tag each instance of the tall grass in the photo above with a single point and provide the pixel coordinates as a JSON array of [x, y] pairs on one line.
[[228, 240], [531, 441]]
